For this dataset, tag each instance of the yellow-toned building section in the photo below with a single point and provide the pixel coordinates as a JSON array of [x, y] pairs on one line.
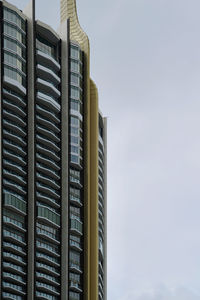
[[69, 11]]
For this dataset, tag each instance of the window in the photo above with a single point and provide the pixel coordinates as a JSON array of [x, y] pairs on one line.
[[75, 241], [74, 130], [47, 257], [75, 175], [74, 121], [74, 259], [48, 214], [74, 159], [48, 246], [75, 212], [75, 192], [75, 92], [77, 225], [12, 31], [75, 79], [13, 218], [75, 66], [46, 47], [75, 105], [14, 46], [14, 74], [13, 17], [74, 296], [74, 140], [13, 234], [75, 149], [14, 61], [75, 278], [11, 200], [75, 52], [46, 230]]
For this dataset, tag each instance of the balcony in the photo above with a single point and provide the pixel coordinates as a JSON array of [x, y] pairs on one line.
[[46, 59], [44, 72], [76, 226], [48, 87], [48, 101]]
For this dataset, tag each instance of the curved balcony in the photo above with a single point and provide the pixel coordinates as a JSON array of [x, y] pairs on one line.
[[48, 101], [45, 141], [49, 181], [9, 105], [10, 257], [74, 267], [14, 147], [47, 269], [13, 186], [48, 60], [43, 121], [13, 176], [11, 224], [75, 245], [14, 249], [46, 160], [14, 203], [41, 286], [43, 168], [16, 129], [48, 133], [52, 154], [44, 188], [44, 72], [75, 200], [14, 97], [10, 154], [48, 200], [14, 118], [11, 288], [12, 237], [44, 235], [13, 268], [13, 166], [14, 279], [75, 287], [47, 279], [46, 113], [45, 258], [47, 87], [47, 215], [44, 296], [76, 182], [47, 250], [14, 85], [76, 226], [11, 135]]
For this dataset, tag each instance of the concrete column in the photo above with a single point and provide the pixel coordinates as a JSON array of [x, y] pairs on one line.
[[1, 198], [105, 207], [30, 13], [64, 33]]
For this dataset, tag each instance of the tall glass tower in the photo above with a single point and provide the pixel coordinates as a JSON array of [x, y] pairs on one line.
[[53, 161]]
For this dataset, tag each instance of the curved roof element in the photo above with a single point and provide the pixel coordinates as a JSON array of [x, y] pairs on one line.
[[68, 10]]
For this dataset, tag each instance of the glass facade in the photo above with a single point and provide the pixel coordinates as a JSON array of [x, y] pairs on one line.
[[76, 203], [14, 157], [101, 205], [48, 166], [41, 227]]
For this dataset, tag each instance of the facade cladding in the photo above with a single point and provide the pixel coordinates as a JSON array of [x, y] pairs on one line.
[[53, 161]]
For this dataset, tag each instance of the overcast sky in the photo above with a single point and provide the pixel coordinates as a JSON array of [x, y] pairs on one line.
[[145, 59]]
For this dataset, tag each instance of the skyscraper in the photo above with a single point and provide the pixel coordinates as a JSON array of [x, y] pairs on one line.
[[53, 161]]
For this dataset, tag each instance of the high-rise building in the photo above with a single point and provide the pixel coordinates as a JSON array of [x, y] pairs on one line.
[[52, 160]]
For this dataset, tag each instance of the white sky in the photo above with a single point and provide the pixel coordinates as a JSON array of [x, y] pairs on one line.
[[145, 59]]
